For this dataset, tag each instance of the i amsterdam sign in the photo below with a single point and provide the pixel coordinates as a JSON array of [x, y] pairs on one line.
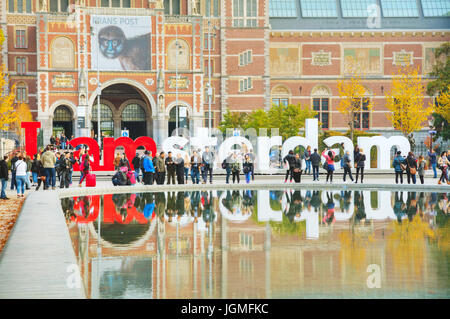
[[264, 145]]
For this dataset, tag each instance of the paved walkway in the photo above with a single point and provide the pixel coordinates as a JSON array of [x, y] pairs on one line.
[[35, 260]]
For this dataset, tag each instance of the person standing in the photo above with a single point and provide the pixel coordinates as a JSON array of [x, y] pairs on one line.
[[315, 163], [227, 166], [422, 166], [52, 140], [297, 168], [179, 167], [433, 161], [247, 168], [195, 168], [187, 164], [35, 170], [148, 169], [360, 163], [411, 168], [136, 161], [161, 169], [307, 156], [65, 168], [4, 176], [443, 164], [63, 141], [27, 160], [347, 168], [235, 168], [85, 167], [124, 161], [398, 163], [329, 158], [289, 159], [48, 160], [252, 159], [207, 162], [13, 170], [21, 175], [171, 167], [117, 161]]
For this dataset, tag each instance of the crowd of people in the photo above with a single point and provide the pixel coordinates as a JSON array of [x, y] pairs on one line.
[[56, 163]]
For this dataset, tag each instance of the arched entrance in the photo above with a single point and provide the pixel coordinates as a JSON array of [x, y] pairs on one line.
[[63, 121], [134, 120], [183, 118], [106, 120]]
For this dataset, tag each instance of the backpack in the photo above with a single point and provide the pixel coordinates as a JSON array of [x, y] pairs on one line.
[[141, 163], [86, 164], [224, 164]]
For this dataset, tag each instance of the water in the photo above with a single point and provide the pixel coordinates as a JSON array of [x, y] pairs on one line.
[[262, 244]]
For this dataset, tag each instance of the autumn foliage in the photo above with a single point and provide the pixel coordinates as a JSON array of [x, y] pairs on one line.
[[7, 97]]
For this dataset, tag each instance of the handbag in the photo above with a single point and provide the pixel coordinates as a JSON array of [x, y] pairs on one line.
[[403, 167], [412, 170], [325, 166], [297, 170]]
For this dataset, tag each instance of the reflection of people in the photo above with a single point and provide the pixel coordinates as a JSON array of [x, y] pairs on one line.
[[360, 209], [329, 217]]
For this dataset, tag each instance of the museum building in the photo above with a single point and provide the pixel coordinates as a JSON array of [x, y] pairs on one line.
[[153, 61]]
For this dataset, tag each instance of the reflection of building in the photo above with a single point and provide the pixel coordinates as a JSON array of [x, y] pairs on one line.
[[239, 258], [258, 49]]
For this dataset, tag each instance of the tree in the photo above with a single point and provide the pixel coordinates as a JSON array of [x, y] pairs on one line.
[[233, 120], [7, 97], [440, 85], [443, 104], [405, 100], [353, 100], [23, 115]]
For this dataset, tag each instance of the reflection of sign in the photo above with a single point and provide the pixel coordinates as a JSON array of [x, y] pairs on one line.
[[125, 133], [81, 122], [181, 83], [63, 81], [321, 58], [402, 58]]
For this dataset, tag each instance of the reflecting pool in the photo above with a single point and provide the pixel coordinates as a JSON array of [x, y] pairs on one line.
[[262, 244]]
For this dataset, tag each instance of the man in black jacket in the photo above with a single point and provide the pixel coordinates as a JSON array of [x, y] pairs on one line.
[[65, 166], [290, 159], [13, 170], [171, 166], [4, 176], [315, 162], [137, 167]]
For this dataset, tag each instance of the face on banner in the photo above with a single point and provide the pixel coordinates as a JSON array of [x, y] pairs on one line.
[[122, 43]]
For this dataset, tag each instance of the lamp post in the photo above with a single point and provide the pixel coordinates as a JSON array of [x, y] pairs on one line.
[[209, 77], [176, 77], [98, 96]]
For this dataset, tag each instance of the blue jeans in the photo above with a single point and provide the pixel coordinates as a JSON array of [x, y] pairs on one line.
[[4, 182], [195, 175], [21, 181], [186, 173], [70, 176], [63, 145], [50, 174], [308, 167], [13, 179], [315, 173], [137, 170], [228, 169], [248, 176], [28, 180], [35, 177], [434, 169]]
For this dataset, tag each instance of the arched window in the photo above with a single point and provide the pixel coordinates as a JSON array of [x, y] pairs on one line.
[[183, 118], [280, 95], [133, 113], [62, 53], [62, 121], [362, 118], [62, 114], [178, 55], [21, 92], [106, 118], [321, 104]]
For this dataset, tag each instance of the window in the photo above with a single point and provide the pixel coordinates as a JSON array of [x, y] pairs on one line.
[[62, 114], [19, 6], [178, 55], [245, 58], [116, 3], [11, 6], [356, 8], [362, 119], [59, 5], [245, 13], [106, 117], [207, 40], [21, 65], [245, 84], [282, 8], [322, 8], [133, 113], [21, 92], [172, 7], [211, 8], [207, 119], [21, 38], [280, 101], [321, 106], [246, 241], [206, 97], [436, 8], [395, 8], [206, 67]]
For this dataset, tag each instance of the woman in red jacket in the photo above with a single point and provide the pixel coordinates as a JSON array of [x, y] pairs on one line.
[[329, 158]]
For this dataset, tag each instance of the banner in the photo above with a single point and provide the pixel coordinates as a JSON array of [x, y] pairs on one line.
[[121, 43]]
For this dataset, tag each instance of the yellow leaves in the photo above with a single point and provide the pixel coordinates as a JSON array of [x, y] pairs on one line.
[[443, 107], [7, 97], [406, 102], [353, 250], [23, 115]]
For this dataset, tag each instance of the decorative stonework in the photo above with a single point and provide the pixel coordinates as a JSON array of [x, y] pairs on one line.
[[63, 81], [182, 82], [403, 58], [62, 53], [21, 19], [149, 81], [321, 58]]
